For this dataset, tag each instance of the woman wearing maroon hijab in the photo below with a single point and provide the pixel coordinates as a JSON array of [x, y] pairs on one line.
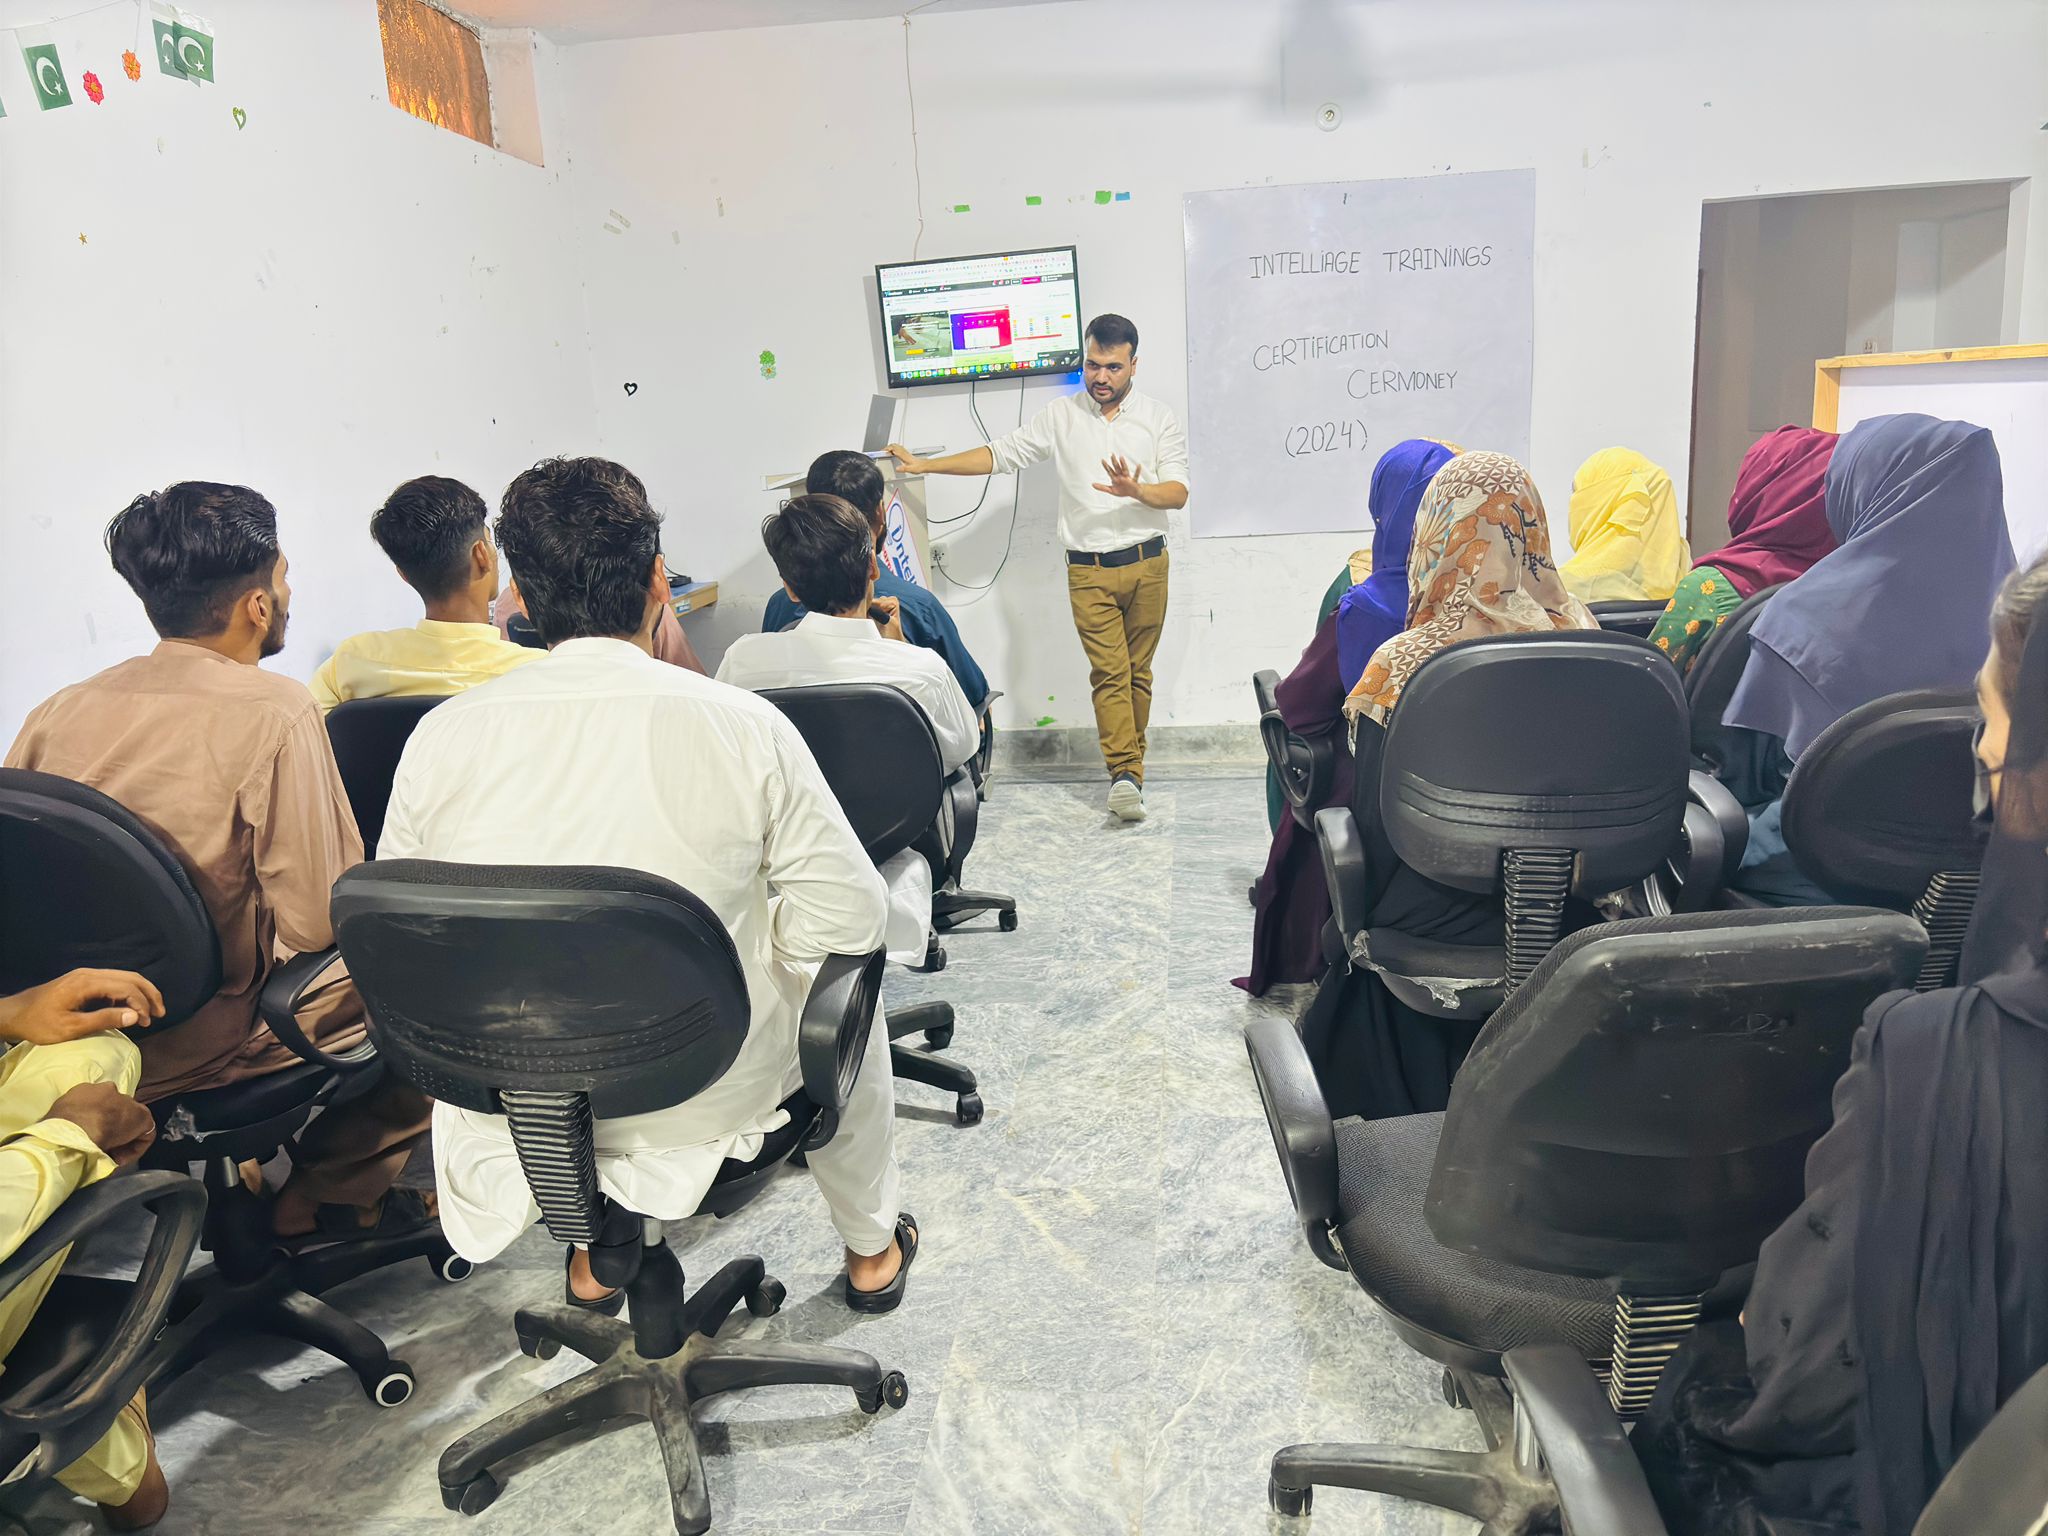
[[1778, 527]]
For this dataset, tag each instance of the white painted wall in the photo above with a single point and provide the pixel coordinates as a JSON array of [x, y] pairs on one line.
[[326, 302], [764, 172]]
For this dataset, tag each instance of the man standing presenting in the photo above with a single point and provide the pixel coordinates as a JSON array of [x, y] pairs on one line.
[[1112, 520]]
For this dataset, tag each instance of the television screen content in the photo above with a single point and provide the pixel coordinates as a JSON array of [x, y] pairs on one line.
[[1006, 316]]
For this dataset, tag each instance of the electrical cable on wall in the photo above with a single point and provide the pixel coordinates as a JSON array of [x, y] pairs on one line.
[[988, 479], [1009, 536]]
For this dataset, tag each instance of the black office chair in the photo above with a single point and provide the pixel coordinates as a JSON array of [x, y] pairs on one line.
[[1626, 1132], [84, 882], [1629, 615], [1543, 766], [581, 994], [1305, 765], [1716, 748], [520, 631], [1878, 810], [369, 737], [87, 1350], [881, 758]]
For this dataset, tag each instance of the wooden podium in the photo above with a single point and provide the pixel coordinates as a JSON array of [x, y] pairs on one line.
[[907, 545]]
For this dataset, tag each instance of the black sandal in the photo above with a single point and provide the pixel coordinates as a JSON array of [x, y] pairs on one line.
[[400, 1213], [890, 1296], [608, 1304]]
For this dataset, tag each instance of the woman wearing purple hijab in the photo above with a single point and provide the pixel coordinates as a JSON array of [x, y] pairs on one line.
[[1917, 507]]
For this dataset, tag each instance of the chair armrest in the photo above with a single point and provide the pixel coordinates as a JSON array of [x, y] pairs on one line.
[[1343, 868], [832, 1037], [1711, 795], [984, 755], [1601, 1490], [1303, 1133], [959, 816], [284, 991], [1266, 691], [121, 1363]]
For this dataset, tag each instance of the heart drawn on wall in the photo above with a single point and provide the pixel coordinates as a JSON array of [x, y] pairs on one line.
[[632, 389]]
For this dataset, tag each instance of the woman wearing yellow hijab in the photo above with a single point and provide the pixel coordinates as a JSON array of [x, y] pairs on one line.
[[1627, 542]]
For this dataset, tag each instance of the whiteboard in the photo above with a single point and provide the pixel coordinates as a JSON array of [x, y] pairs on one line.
[[1327, 322], [2009, 395]]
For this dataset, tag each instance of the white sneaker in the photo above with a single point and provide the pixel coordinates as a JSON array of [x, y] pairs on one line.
[[1126, 798]]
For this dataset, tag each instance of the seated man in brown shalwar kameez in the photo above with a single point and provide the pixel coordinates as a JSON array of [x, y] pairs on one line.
[[229, 765]]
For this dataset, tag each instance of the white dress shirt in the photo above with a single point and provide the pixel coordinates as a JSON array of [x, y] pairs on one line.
[[1073, 433], [599, 754], [825, 649]]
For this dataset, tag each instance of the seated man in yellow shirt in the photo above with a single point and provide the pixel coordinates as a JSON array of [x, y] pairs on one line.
[[433, 530], [67, 1120]]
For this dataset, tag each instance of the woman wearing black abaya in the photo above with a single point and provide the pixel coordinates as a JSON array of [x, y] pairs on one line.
[[1907, 1298]]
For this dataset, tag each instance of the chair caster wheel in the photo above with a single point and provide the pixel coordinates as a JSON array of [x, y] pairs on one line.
[[892, 1389], [939, 1038], [453, 1269], [1007, 921], [1453, 1393], [1289, 1501], [538, 1346], [391, 1386], [934, 959], [474, 1496], [1251, 894], [765, 1299], [968, 1110]]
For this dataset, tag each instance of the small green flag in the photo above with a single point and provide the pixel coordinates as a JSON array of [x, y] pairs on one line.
[[184, 43], [46, 74]]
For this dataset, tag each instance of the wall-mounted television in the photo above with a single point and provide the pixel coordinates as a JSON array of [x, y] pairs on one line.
[[1010, 315]]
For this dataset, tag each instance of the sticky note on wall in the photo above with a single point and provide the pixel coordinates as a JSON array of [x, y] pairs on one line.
[[1103, 197]]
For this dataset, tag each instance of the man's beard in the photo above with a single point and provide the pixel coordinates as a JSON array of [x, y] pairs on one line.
[[273, 638]]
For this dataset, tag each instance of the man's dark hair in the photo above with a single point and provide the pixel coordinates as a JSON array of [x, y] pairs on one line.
[[191, 551], [1113, 331], [851, 477], [582, 542], [427, 527], [824, 549]]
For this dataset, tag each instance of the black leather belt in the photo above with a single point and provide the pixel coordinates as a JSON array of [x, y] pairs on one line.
[[1130, 555]]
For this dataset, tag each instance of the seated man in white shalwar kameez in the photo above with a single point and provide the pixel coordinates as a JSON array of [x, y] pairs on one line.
[[599, 754], [823, 549]]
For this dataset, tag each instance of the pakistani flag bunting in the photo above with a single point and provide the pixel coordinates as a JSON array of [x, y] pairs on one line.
[[46, 74], [184, 43]]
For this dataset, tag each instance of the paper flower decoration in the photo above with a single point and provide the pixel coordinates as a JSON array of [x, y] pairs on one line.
[[131, 65], [94, 91]]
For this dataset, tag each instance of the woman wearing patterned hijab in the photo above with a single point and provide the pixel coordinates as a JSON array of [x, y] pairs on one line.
[[1480, 566]]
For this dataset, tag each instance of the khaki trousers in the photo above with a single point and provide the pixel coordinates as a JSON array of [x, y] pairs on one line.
[[1118, 612]]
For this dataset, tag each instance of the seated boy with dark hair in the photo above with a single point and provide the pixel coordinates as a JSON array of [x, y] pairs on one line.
[[854, 477], [434, 531]]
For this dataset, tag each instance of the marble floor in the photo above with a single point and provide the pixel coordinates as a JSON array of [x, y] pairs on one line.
[[1112, 1324]]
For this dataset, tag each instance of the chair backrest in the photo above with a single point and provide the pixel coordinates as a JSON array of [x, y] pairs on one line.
[[84, 883], [1629, 615], [520, 631], [1641, 1109], [1715, 672], [369, 737], [1542, 765], [1878, 810], [878, 753], [1999, 1486]]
